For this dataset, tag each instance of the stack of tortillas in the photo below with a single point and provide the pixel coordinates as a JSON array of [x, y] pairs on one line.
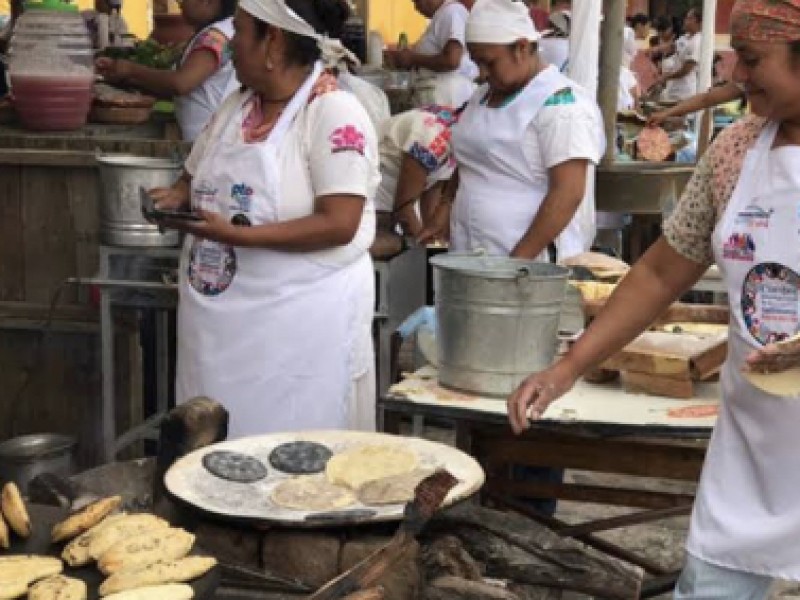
[[600, 265], [785, 384], [653, 144]]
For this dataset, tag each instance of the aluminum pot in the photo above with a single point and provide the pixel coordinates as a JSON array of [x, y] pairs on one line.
[[497, 320], [23, 458], [121, 220]]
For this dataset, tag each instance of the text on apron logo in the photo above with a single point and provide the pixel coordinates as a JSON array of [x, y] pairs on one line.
[[755, 217], [242, 195]]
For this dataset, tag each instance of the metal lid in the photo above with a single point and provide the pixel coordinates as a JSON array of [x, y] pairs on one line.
[[498, 267], [27, 448], [138, 162]]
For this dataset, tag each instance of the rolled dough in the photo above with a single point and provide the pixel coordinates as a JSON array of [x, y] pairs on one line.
[[397, 489], [312, 494], [785, 384], [357, 466]]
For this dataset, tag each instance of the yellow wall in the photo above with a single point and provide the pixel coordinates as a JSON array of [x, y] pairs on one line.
[[392, 17]]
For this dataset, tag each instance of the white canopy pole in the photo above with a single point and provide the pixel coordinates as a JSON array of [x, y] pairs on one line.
[[610, 63], [704, 75], [584, 44]]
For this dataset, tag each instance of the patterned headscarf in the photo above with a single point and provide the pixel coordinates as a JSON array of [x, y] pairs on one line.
[[766, 20]]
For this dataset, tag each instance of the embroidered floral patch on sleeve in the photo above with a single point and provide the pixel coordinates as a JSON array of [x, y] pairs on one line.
[[428, 160], [347, 139]]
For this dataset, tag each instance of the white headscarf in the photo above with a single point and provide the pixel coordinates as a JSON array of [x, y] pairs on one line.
[[276, 13], [500, 22]]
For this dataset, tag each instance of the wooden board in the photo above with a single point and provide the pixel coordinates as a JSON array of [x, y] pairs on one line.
[[188, 481], [682, 356], [44, 517], [659, 385]]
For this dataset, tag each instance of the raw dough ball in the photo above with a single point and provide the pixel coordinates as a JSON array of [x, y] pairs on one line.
[[234, 466], [300, 458], [357, 466], [397, 489], [311, 494]]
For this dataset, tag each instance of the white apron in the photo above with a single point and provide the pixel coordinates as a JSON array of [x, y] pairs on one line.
[[498, 194], [747, 512], [194, 110], [277, 337]]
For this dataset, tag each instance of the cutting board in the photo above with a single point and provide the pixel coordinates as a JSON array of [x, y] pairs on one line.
[[685, 356]]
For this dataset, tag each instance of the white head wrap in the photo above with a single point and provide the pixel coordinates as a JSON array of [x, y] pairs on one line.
[[278, 14], [500, 22]]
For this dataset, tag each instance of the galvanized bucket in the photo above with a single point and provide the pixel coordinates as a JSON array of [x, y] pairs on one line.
[[121, 219], [497, 320]]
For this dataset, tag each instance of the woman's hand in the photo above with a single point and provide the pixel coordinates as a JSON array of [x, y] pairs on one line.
[[438, 230], [213, 227], [537, 392], [113, 69], [171, 198], [774, 358], [409, 222], [657, 119]]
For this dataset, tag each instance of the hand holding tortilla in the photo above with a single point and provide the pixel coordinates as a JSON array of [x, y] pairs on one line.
[[776, 368]]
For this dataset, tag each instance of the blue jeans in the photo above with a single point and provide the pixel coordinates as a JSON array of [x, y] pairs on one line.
[[703, 581]]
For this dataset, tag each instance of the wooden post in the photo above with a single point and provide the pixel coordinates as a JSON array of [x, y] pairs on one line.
[[611, 39]]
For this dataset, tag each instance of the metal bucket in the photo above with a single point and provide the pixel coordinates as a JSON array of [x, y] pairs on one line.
[[497, 320], [23, 458], [121, 220]]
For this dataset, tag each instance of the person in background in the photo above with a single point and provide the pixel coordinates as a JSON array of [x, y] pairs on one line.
[[523, 145], [445, 75], [416, 162], [203, 77], [662, 44], [276, 283], [629, 94], [103, 22], [554, 43], [539, 15], [679, 70], [739, 210], [640, 23]]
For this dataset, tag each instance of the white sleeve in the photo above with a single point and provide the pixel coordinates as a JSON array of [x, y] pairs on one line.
[[567, 132], [342, 147], [451, 25]]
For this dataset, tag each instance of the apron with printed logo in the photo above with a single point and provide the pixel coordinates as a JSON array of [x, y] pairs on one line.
[[276, 337], [747, 513]]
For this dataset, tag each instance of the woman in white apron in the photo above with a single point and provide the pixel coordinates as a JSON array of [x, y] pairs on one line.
[[204, 74], [276, 289], [444, 73], [523, 146], [741, 210]]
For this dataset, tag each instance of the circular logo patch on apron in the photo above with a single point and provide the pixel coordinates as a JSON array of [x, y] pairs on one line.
[[771, 302], [212, 267]]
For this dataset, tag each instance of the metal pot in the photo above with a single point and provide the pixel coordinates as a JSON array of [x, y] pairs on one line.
[[121, 220], [497, 320], [23, 458]]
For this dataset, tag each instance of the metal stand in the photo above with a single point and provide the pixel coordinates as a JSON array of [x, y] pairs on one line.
[[140, 278]]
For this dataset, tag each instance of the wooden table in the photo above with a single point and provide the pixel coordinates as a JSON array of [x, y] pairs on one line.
[[654, 450]]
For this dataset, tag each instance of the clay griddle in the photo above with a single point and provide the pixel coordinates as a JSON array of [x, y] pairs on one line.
[[44, 517]]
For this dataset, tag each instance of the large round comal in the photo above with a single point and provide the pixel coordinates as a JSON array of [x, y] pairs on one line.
[[497, 320], [121, 219]]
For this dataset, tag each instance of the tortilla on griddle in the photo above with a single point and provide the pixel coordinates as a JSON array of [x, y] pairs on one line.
[[397, 489], [311, 494], [300, 458], [234, 466]]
